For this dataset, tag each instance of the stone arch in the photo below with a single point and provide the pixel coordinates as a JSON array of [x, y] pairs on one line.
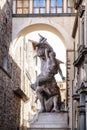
[[47, 26]]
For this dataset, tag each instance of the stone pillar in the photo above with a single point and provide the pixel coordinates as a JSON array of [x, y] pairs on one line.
[[80, 34], [85, 71], [76, 98], [86, 110], [69, 80], [14, 6], [65, 6], [31, 6], [82, 115], [47, 6], [85, 23]]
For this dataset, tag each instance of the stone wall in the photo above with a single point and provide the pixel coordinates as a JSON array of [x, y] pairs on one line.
[[80, 63], [9, 73]]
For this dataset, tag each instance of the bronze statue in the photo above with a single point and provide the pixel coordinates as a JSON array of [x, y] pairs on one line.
[[45, 86]]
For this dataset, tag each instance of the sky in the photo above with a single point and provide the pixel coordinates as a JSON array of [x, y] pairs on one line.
[[56, 44]]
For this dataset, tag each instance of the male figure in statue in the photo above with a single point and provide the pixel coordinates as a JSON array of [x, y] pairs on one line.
[[45, 86]]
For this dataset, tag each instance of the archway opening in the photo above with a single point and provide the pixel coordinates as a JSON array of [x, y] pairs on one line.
[[24, 56]]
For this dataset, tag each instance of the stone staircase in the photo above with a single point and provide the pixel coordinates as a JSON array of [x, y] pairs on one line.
[[49, 121]]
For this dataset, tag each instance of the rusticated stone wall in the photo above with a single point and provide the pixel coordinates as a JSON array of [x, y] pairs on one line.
[[9, 73]]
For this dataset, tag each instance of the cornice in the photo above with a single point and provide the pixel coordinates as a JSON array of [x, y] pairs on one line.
[[80, 58]]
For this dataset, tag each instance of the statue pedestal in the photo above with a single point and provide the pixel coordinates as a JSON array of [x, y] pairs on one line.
[[50, 120]]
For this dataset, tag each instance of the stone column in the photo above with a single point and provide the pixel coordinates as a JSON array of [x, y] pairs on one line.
[[31, 6], [86, 110], [85, 73], [85, 70], [65, 6], [82, 115], [85, 23], [47, 6], [79, 30], [76, 98], [14, 6]]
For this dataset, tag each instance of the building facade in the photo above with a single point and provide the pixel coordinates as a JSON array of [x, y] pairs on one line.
[[62, 86], [80, 71], [17, 19], [9, 103]]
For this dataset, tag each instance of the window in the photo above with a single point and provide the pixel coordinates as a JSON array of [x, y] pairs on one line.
[[39, 6], [22, 6], [70, 6], [56, 6], [5, 63]]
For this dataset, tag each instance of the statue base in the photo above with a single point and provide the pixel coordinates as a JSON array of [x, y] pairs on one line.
[[50, 120]]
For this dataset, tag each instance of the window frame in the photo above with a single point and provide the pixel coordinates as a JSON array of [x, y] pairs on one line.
[[23, 7], [39, 7], [70, 7], [57, 7]]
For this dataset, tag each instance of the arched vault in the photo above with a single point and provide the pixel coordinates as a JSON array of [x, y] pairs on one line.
[[55, 28]]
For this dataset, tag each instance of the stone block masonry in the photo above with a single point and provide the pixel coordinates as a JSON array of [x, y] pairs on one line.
[[50, 120], [10, 75]]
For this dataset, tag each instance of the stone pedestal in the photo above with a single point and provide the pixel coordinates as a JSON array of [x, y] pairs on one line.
[[50, 120]]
